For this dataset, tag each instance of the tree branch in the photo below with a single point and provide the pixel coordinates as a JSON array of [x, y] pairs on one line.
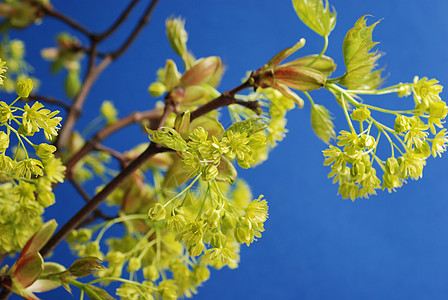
[[118, 22], [93, 74], [90, 145], [34, 97], [85, 211], [143, 21], [65, 19]]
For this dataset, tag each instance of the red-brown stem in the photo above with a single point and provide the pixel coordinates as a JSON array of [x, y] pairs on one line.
[[117, 23], [95, 71], [40, 98]]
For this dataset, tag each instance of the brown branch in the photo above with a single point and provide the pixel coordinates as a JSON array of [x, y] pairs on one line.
[[97, 213], [118, 22], [87, 209], [49, 11], [225, 99], [143, 21], [34, 97], [118, 155], [93, 74], [135, 117]]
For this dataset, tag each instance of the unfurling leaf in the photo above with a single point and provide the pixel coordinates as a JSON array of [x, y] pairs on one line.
[[315, 15], [85, 266], [168, 137], [249, 126], [324, 64], [359, 61], [226, 171], [321, 122]]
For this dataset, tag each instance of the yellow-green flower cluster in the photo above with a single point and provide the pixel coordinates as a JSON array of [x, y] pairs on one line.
[[13, 52], [353, 165]]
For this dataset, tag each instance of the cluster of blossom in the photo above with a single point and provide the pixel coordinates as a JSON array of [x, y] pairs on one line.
[[26, 182], [13, 51], [353, 165]]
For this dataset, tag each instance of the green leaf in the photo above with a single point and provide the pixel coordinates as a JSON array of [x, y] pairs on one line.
[[321, 122], [324, 64], [359, 61], [315, 15], [250, 126], [96, 293], [168, 137]]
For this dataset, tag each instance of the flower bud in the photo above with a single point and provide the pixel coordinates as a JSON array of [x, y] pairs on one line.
[[360, 114], [402, 124], [151, 272], [109, 112], [157, 212], [209, 172], [196, 249], [4, 141], [392, 166], [357, 170], [156, 89], [44, 150], [243, 231], [134, 264], [212, 217], [24, 87], [17, 49]]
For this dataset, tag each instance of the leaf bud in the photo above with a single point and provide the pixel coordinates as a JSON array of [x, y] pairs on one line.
[[205, 70], [157, 212], [85, 266], [177, 35], [171, 79], [24, 87]]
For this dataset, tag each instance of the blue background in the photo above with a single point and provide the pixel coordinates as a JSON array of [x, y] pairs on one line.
[[316, 245]]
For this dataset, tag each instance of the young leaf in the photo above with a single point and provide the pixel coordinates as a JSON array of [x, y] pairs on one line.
[[250, 126], [359, 61], [321, 122], [168, 137], [315, 15]]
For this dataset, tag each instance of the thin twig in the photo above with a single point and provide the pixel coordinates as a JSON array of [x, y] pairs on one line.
[[48, 10], [117, 23], [97, 213], [34, 97], [143, 21], [93, 74], [118, 155], [135, 117]]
